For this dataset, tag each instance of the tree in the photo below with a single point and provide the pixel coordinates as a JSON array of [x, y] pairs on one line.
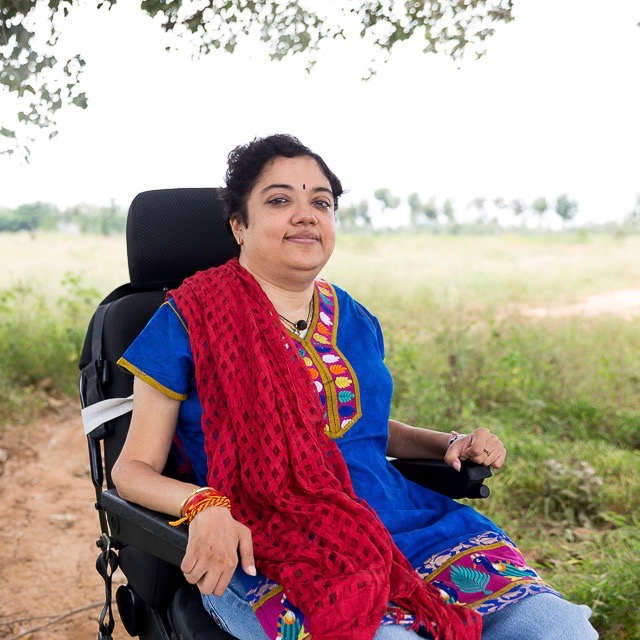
[[519, 209], [540, 206], [479, 205], [387, 199], [110, 219], [37, 215], [99, 220], [354, 216], [8, 220], [501, 205], [566, 208], [448, 211], [415, 209], [430, 210], [633, 217], [30, 69], [422, 211]]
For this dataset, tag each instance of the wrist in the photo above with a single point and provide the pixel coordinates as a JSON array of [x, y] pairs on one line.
[[454, 436], [200, 499]]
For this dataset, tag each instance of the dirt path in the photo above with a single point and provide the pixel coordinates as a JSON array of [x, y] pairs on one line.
[[624, 303], [48, 531]]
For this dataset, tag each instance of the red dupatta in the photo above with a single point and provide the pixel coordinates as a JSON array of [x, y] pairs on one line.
[[266, 449]]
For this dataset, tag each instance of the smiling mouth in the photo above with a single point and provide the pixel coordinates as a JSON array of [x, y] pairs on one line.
[[302, 238]]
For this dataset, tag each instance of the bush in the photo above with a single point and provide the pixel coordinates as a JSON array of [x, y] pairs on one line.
[[40, 345]]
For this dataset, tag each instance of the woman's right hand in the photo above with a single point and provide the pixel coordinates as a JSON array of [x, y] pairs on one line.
[[216, 540]]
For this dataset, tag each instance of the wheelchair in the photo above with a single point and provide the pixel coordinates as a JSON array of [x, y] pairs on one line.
[[171, 234]]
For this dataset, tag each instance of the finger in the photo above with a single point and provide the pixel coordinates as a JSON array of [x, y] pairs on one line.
[[494, 454], [484, 457], [245, 549], [479, 446], [188, 562], [222, 582], [208, 583], [476, 438], [490, 457], [452, 458], [193, 575], [470, 449], [496, 460]]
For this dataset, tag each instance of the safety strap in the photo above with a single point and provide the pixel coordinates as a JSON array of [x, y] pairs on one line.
[[96, 412], [106, 564], [95, 415], [97, 372]]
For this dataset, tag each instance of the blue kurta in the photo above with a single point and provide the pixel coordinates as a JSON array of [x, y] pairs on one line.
[[461, 551]]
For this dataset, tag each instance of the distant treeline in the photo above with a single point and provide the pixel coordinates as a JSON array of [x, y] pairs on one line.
[[489, 212], [479, 213], [81, 218]]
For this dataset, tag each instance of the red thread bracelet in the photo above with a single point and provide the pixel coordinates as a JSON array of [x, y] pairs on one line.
[[198, 500]]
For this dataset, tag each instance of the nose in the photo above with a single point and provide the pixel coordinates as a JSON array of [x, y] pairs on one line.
[[305, 214]]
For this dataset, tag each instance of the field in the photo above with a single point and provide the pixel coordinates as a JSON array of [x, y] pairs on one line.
[[536, 337]]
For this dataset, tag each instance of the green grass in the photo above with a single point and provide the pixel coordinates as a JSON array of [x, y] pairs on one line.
[[40, 344], [43, 260], [562, 391], [49, 287]]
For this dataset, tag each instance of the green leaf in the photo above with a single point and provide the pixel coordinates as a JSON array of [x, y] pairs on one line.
[[80, 101], [470, 580]]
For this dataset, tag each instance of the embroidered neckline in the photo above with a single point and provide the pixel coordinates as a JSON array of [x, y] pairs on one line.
[[332, 374]]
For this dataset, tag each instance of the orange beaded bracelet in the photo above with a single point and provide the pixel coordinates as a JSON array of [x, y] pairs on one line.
[[198, 500]]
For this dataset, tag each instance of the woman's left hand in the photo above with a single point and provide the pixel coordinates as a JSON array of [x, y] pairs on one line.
[[481, 446]]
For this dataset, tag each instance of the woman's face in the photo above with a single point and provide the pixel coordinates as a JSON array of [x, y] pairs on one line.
[[291, 232]]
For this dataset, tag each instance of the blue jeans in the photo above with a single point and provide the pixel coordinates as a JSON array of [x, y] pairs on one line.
[[539, 617]]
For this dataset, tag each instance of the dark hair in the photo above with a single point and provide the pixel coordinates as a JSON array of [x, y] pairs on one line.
[[246, 162]]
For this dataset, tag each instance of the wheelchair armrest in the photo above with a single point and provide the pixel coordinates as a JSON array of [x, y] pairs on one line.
[[439, 476], [144, 529], [150, 531]]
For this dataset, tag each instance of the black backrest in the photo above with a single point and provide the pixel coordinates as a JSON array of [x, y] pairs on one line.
[[123, 321], [171, 234]]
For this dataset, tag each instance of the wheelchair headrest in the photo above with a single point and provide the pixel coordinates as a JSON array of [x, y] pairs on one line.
[[172, 233]]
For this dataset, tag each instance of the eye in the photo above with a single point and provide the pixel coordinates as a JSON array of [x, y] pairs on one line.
[[277, 200], [323, 204]]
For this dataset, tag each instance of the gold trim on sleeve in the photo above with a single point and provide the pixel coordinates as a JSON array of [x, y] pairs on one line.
[[125, 364]]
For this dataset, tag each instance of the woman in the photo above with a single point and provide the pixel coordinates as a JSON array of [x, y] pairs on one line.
[[275, 386]]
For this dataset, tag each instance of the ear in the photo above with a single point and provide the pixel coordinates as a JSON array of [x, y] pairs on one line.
[[237, 227]]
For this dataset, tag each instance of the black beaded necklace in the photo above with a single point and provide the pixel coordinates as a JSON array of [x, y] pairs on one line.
[[300, 325]]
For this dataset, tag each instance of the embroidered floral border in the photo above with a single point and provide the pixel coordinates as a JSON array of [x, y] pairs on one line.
[[333, 376], [486, 572]]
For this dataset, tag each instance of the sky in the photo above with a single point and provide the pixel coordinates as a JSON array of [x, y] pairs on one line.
[[553, 107]]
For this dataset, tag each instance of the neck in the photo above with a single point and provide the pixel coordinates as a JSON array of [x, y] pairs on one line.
[[291, 301]]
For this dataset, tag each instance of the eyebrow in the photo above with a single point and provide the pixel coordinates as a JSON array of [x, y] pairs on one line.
[[289, 187]]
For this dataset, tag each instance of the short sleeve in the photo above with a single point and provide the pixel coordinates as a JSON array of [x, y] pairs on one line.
[[376, 327], [161, 354]]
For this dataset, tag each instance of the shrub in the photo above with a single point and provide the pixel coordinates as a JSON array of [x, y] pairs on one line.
[[40, 345]]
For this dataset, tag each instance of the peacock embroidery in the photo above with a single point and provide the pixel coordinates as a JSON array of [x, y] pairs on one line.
[[448, 593], [290, 626], [503, 568]]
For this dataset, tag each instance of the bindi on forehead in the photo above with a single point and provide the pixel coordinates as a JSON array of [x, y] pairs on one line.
[[304, 186]]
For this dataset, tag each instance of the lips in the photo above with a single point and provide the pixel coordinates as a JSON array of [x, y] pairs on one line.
[[305, 237]]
